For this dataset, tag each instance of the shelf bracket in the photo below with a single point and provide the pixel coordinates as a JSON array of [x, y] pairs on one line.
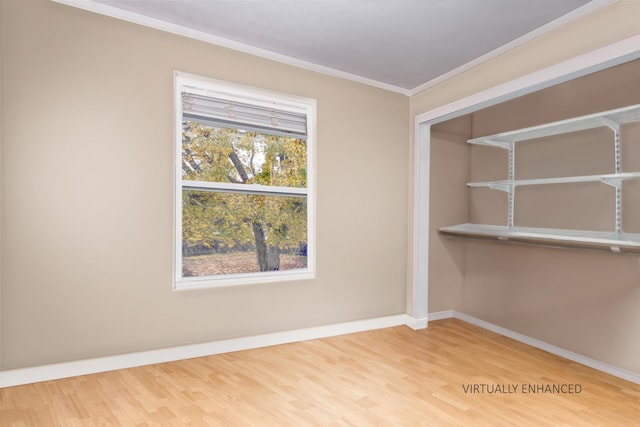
[[612, 124], [613, 181], [502, 186], [500, 144]]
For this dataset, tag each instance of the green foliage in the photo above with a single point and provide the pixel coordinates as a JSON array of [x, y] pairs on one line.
[[266, 159], [212, 219]]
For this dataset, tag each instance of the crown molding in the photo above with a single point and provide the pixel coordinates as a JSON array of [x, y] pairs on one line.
[[181, 30], [158, 24], [572, 16]]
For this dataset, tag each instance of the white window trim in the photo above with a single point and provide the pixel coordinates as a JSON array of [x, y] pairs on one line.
[[230, 187], [262, 97]]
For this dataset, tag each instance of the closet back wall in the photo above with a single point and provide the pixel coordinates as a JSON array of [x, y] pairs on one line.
[[585, 302]]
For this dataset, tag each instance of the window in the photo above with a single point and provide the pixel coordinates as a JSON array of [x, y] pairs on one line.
[[244, 185]]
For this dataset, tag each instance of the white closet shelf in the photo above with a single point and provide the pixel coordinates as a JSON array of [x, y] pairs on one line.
[[611, 179], [615, 242], [605, 118]]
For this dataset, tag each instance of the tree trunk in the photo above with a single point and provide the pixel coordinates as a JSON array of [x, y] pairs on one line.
[[239, 167], [268, 255]]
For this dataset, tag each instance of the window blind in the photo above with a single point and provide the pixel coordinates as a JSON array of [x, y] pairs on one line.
[[220, 110]]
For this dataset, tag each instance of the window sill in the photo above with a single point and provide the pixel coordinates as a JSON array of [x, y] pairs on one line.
[[190, 283]]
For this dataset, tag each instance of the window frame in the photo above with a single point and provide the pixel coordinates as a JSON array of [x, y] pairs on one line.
[[260, 97]]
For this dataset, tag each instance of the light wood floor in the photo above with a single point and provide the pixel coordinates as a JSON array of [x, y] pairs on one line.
[[394, 377]]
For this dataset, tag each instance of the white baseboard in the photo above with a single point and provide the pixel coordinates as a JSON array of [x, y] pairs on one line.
[[439, 315], [35, 374], [592, 363], [416, 324]]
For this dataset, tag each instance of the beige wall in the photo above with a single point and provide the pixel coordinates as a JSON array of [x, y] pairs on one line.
[[449, 204], [1, 161], [88, 197]]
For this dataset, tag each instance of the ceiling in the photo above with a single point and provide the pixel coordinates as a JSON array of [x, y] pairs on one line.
[[401, 45]]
